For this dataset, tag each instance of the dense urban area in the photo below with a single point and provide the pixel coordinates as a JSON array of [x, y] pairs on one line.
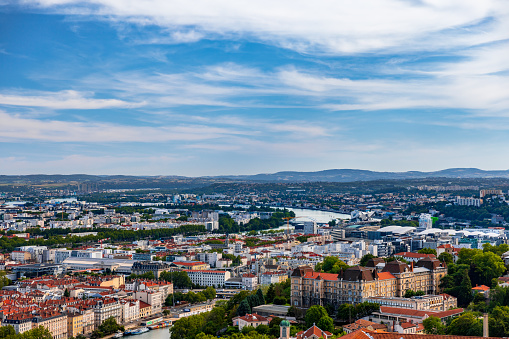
[[209, 258]]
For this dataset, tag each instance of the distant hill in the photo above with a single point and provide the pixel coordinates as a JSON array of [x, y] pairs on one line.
[[349, 175], [332, 175]]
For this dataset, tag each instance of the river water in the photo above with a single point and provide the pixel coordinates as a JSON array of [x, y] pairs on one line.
[[161, 333]]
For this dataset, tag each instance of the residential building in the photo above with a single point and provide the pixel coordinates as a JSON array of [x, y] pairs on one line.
[[358, 283], [153, 298], [253, 320], [208, 277]]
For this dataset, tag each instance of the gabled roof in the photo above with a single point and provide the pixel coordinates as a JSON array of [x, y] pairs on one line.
[[313, 330]]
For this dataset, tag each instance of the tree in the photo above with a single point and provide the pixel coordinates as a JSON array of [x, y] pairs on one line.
[[446, 257], [314, 314], [279, 300], [331, 265], [187, 327], [466, 324], [427, 251], [346, 312], [326, 324], [4, 281], [488, 266], [433, 325], [410, 293], [37, 333], [261, 298], [271, 294], [498, 250], [365, 258], [499, 321], [67, 294], [209, 292], [243, 308]]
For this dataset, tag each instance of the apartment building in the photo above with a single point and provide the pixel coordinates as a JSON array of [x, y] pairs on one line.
[[54, 321], [153, 298], [106, 308], [130, 310], [21, 322], [357, 283], [74, 324], [208, 277]]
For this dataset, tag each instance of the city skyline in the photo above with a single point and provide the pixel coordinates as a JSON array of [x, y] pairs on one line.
[[235, 87]]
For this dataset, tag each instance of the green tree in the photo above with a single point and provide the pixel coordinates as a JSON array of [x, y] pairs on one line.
[[433, 325], [499, 321], [467, 324], [427, 251], [4, 281], [67, 294], [488, 266], [498, 250], [209, 292], [331, 265], [314, 314], [244, 308], [37, 333], [260, 296], [271, 294], [446, 257], [326, 324], [346, 312], [187, 327]]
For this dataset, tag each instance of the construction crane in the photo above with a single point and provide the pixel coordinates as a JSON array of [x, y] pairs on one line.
[[288, 223]]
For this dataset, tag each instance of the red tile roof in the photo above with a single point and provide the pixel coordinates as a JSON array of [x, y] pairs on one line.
[[365, 334]]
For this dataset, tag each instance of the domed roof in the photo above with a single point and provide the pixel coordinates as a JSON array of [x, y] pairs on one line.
[[284, 323]]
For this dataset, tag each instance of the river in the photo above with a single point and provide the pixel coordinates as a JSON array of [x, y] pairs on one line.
[[161, 333]]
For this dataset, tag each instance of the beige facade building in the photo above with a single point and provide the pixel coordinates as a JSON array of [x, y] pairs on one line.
[[105, 309], [54, 321], [153, 298], [357, 283]]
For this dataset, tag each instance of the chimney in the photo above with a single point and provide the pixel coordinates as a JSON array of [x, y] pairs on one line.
[[485, 329], [412, 266]]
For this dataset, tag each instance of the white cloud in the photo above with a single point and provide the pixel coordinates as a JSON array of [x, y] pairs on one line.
[[15, 127], [63, 100], [330, 26]]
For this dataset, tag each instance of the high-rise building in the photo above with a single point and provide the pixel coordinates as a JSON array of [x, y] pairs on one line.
[[425, 221]]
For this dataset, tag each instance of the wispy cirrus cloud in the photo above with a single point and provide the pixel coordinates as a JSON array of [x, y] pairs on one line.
[[68, 99]]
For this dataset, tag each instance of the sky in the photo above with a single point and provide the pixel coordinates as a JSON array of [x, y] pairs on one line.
[[195, 88]]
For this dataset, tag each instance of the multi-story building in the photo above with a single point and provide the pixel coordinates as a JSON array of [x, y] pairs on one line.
[[357, 283], [107, 308], [146, 266], [249, 281], [268, 278], [208, 278], [153, 298], [21, 256], [130, 310], [440, 302], [74, 324], [21, 322], [54, 321], [468, 201]]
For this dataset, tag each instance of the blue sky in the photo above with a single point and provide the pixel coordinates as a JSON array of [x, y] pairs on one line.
[[241, 87]]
